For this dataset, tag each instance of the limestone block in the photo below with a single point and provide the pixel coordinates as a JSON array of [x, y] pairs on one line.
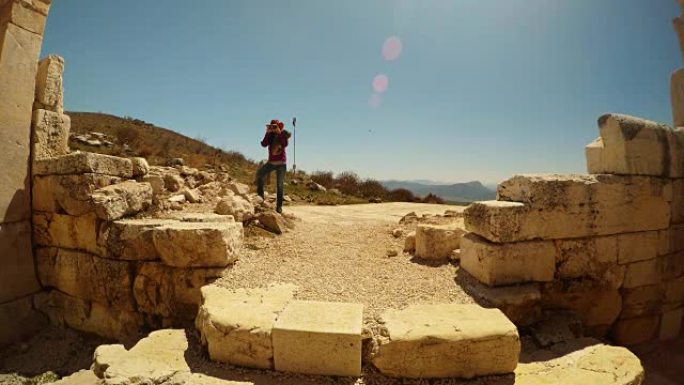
[[122, 200], [87, 276], [173, 293], [66, 231], [49, 89], [631, 146], [675, 239], [84, 162], [410, 242], [236, 325], [674, 290], [520, 303], [669, 266], [571, 206], [595, 258], [671, 324], [595, 303], [82, 377], [173, 182], [236, 206], [156, 181], [240, 189], [192, 195], [19, 49], [642, 301], [49, 134], [635, 331], [184, 244], [18, 320], [678, 201], [130, 239], [30, 15], [319, 338], [677, 85], [158, 358], [204, 217], [635, 247], [88, 316], [17, 273], [508, 263], [437, 241], [140, 167], [68, 194], [449, 340], [580, 361]]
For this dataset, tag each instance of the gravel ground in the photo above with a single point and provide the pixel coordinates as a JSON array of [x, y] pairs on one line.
[[338, 254]]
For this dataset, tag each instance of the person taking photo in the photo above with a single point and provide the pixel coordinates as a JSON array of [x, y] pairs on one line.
[[276, 140]]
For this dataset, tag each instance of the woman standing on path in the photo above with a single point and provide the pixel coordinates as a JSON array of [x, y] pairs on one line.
[[276, 139]]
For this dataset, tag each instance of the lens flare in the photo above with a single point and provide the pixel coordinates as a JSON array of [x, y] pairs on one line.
[[374, 101], [380, 83], [392, 48]]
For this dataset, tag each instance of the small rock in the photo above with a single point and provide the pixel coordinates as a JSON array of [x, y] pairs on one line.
[[236, 206], [409, 218], [313, 186], [456, 255], [274, 222], [173, 182], [180, 198], [175, 162], [192, 195], [140, 167], [396, 233], [375, 200], [410, 242], [392, 253]]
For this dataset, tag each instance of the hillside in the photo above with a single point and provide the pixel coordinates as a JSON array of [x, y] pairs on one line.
[[458, 192]]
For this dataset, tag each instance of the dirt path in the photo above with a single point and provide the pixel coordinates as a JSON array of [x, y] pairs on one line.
[[340, 254]]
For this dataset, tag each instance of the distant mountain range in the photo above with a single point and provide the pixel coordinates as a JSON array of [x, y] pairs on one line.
[[457, 192]]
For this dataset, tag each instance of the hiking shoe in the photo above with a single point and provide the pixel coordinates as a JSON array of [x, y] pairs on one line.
[[279, 210]]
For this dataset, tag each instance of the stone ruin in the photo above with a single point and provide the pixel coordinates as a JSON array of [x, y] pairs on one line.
[[607, 246]]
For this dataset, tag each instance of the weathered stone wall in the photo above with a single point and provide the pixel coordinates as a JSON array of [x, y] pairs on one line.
[[608, 246], [22, 23]]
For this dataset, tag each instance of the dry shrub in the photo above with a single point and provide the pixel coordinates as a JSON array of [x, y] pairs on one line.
[[348, 183], [432, 198], [371, 188], [324, 178], [401, 195]]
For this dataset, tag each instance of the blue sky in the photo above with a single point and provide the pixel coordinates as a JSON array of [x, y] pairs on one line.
[[481, 90]]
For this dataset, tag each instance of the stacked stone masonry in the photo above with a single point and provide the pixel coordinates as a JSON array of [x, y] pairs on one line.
[[608, 246], [22, 23]]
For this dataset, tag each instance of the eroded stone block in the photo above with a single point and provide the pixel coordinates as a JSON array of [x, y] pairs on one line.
[[84, 162], [508, 263], [49, 89], [49, 134], [68, 194], [595, 258], [319, 338], [642, 301], [236, 324], [87, 276], [121, 200], [634, 331], [131, 239], [26, 14], [450, 340], [437, 241], [66, 231], [185, 244]]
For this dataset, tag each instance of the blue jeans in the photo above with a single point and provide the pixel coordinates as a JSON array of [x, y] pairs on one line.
[[264, 172]]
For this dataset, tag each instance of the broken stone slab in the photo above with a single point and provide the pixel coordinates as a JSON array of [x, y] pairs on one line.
[[596, 304], [140, 167], [88, 316], [49, 134], [204, 217], [508, 263], [274, 222], [68, 194], [580, 361], [173, 182], [236, 324], [634, 146], [122, 200], [437, 241], [87, 276], [315, 337], [198, 244], [84, 162], [49, 89], [130, 239], [447, 340], [520, 303], [82, 377], [66, 231], [634, 331], [550, 206], [236, 206], [156, 181], [158, 358], [192, 195], [173, 293]]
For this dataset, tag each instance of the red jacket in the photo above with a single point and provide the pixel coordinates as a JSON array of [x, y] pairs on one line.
[[276, 144]]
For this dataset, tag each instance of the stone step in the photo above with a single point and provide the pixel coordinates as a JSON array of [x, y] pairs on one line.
[[319, 338], [236, 324], [84, 162], [447, 340]]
